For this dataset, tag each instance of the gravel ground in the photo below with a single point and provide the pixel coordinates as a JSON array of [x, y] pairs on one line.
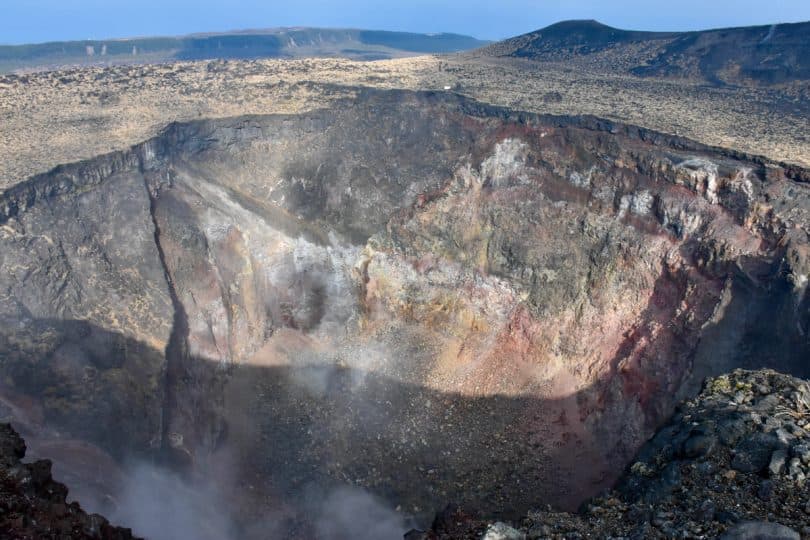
[[732, 463]]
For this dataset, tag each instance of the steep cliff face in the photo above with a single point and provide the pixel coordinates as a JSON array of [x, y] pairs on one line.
[[415, 293]]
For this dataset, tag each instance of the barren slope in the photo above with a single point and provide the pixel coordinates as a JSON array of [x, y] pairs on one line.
[[248, 44], [759, 55]]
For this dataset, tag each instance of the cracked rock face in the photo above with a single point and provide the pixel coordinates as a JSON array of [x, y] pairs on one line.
[[418, 294]]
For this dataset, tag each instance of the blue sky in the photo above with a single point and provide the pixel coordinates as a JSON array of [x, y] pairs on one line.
[[27, 21]]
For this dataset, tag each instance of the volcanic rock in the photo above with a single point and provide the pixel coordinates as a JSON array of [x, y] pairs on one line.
[[754, 453], [760, 530], [709, 499], [33, 505], [421, 295]]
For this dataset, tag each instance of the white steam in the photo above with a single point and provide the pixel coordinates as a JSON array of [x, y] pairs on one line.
[[159, 505], [349, 513]]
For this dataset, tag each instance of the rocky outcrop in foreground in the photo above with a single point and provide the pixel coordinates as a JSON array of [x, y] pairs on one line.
[[33, 505], [732, 463]]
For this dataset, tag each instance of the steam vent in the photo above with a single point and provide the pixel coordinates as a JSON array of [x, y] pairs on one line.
[[334, 322]]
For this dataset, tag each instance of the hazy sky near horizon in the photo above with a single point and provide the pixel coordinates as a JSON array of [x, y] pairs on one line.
[[31, 21]]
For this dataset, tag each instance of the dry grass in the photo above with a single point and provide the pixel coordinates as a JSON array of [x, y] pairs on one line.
[[64, 116]]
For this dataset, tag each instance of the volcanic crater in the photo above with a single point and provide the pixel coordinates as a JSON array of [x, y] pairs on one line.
[[410, 293]]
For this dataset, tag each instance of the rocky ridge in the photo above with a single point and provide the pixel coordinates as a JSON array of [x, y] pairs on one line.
[[753, 55]]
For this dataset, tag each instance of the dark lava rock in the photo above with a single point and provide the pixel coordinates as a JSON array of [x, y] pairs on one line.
[[753, 454], [727, 517], [701, 475], [32, 504], [731, 430], [663, 486], [415, 534], [760, 530], [765, 490], [699, 445], [707, 511], [453, 522]]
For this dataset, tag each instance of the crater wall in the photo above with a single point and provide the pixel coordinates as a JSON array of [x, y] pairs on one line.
[[421, 295]]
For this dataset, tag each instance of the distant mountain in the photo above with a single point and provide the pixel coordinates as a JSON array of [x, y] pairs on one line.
[[249, 44], [763, 55]]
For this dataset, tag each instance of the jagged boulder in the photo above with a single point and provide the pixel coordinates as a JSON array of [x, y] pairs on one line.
[[33, 505]]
